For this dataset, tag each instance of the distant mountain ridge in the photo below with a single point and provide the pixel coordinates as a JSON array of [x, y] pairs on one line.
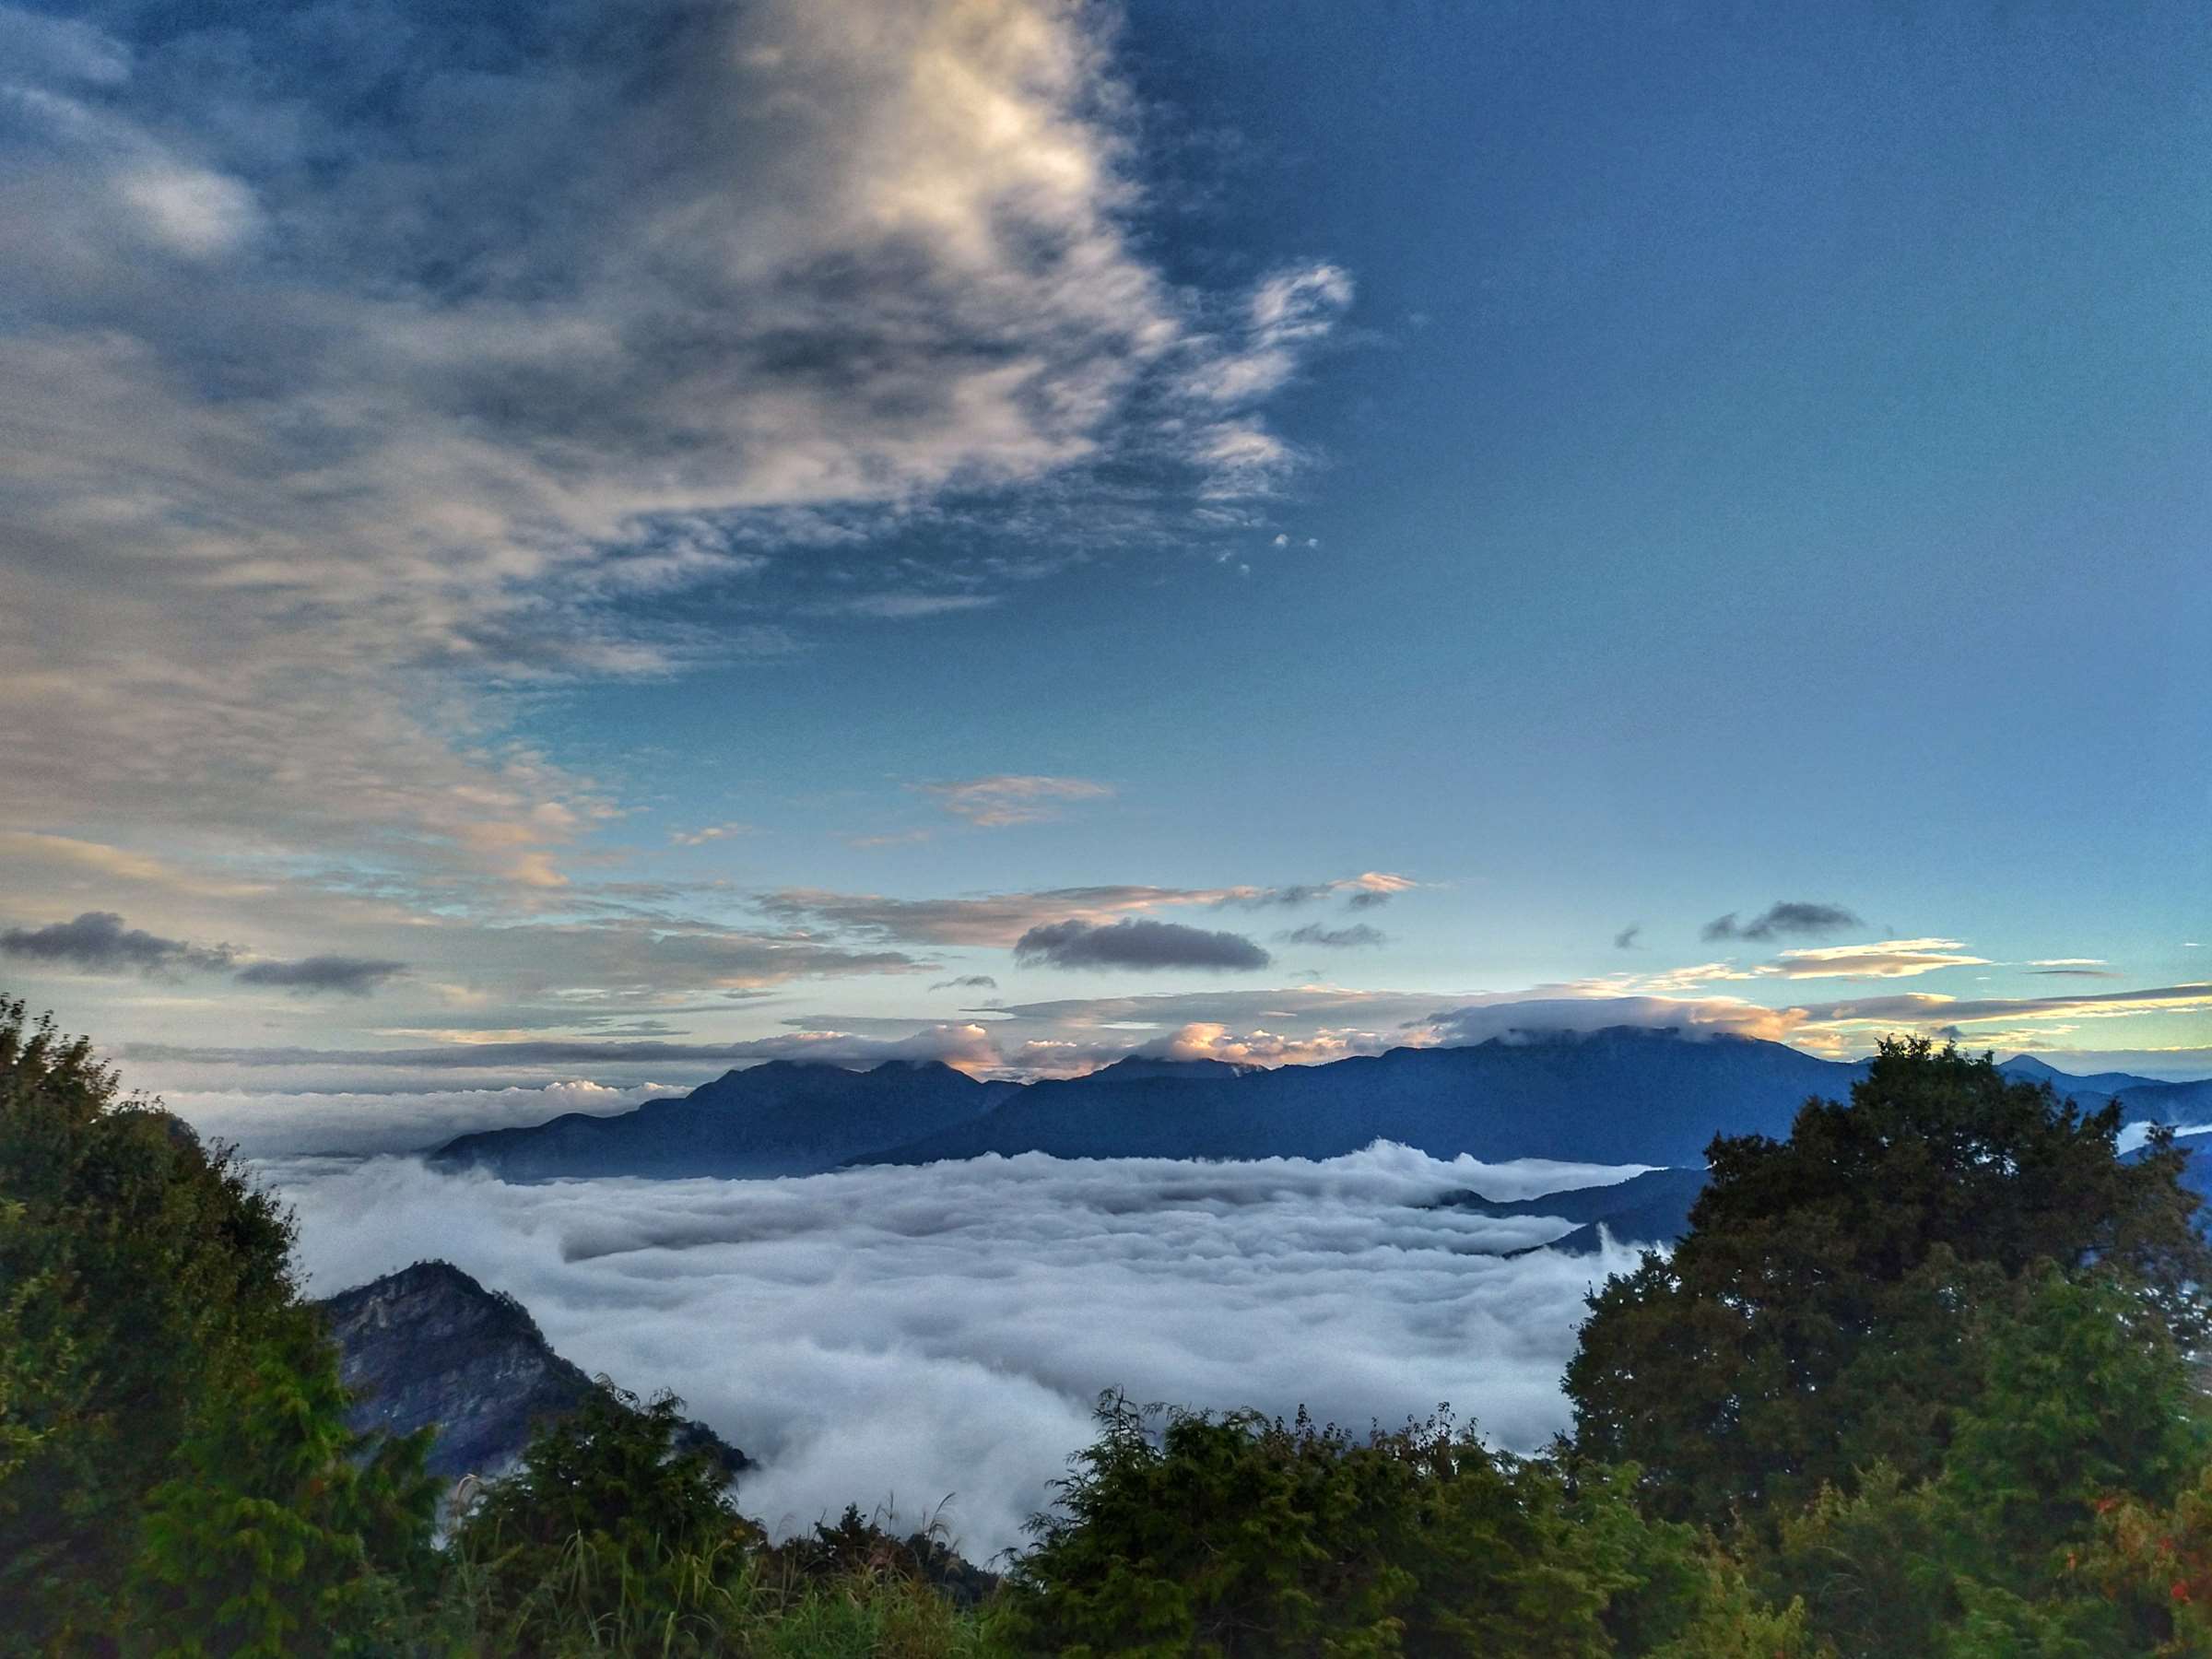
[[1650, 1209], [2142, 1100], [1628, 1094], [1624, 1095], [784, 1118]]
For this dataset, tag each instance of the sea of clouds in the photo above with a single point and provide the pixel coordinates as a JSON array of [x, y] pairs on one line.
[[907, 1337]]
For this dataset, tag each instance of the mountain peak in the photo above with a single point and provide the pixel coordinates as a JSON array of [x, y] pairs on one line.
[[429, 1345], [1130, 1067]]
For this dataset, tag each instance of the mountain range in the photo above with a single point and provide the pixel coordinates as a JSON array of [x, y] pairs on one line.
[[784, 1118], [1628, 1094]]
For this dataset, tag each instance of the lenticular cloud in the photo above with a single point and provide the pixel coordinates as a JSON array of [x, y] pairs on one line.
[[915, 1336]]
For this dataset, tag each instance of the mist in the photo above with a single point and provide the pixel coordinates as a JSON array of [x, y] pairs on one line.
[[911, 1338]]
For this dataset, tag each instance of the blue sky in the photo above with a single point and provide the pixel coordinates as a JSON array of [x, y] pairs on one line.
[[1599, 470]]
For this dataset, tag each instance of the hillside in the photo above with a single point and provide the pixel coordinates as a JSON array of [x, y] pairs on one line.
[[784, 1118], [1626, 1094], [431, 1345]]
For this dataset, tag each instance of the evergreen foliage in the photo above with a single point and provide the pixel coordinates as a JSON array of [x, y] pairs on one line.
[[162, 1382], [1229, 1536], [1817, 1314]]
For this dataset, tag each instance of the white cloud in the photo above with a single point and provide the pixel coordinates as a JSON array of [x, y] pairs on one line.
[[915, 1334], [272, 1124], [1885, 959], [537, 323], [1007, 799], [199, 214], [712, 832]]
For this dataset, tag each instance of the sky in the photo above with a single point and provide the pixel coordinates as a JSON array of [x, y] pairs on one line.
[[549, 549]]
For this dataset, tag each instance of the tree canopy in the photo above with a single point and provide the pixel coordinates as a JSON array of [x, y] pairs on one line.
[[1820, 1313]]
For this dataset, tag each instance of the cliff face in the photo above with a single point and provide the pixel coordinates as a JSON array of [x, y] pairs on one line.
[[428, 1345]]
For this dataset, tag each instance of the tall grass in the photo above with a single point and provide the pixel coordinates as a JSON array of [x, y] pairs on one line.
[[724, 1599]]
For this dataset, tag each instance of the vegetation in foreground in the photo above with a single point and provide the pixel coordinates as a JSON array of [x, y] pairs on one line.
[[1918, 1380]]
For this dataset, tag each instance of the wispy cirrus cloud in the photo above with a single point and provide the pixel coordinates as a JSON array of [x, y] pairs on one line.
[[1358, 936], [1885, 959], [711, 832], [1007, 799]]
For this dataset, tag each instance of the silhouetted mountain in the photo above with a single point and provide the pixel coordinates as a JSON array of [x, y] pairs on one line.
[[2075, 1084], [1650, 1209], [1625, 1095], [784, 1118], [1630, 1094], [428, 1345], [2169, 1102]]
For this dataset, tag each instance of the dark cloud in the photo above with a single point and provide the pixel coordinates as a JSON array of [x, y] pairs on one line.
[[1368, 898], [999, 919], [1520, 1019], [1337, 938], [967, 982], [98, 942], [1141, 944], [1626, 938], [1302, 892], [353, 976], [1788, 918]]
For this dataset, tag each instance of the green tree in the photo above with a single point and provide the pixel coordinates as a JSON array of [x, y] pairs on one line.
[[281, 1530], [1814, 1318], [609, 1536], [138, 1269], [1246, 1536], [2085, 1403], [173, 1454]]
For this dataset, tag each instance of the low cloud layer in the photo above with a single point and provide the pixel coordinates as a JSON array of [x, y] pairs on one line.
[[1138, 945], [266, 1124], [1788, 918], [980, 1308]]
